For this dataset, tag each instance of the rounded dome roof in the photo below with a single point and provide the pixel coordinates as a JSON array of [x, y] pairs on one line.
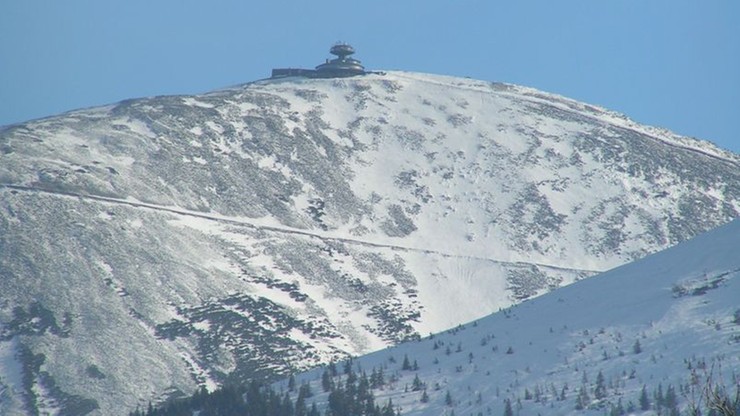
[[342, 49]]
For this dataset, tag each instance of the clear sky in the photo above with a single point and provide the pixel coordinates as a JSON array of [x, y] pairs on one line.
[[667, 63]]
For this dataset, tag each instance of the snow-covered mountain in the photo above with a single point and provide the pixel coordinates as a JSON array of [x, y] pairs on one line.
[[669, 323], [159, 244]]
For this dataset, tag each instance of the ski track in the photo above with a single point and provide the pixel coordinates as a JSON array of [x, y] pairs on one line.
[[275, 229]]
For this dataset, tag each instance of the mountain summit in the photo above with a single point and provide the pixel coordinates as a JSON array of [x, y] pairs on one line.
[[158, 244]]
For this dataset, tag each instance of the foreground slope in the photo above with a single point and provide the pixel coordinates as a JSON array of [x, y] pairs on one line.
[[668, 322], [159, 244]]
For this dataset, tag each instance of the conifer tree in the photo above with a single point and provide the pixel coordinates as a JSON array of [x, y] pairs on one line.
[[617, 410], [582, 399], [300, 404], [671, 401], [644, 401], [326, 381], [417, 385], [305, 389], [348, 366], [600, 389], [637, 348], [406, 364], [377, 378], [388, 409], [508, 411], [287, 406], [659, 397]]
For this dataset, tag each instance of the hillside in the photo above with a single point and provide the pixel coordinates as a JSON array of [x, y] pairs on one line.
[[160, 244], [668, 322]]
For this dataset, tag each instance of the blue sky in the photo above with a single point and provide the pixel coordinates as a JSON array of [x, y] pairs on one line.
[[668, 63]]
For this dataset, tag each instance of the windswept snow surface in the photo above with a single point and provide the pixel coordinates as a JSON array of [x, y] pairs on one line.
[[681, 305], [160, 244]]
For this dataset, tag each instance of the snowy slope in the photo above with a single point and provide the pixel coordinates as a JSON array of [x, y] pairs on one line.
[[283, 223], [682, 305]]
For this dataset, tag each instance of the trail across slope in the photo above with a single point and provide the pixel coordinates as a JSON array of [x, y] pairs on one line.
[[276, 229]]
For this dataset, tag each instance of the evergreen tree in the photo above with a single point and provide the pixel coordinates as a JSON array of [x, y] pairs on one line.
[[351, 377], [256, 399], [377, 378], [338, 403], [286, 407], [448, 399], [305, 389], [370, 409], [363, 385], [406, 364], [508, 411], [600, 389], [326, 381], [637, 348], [617, 410], [291, 383], [374, 379], [348, 366], [417, 384], [388, 409], [659, 397], [582, 399], [300, 403], [644, 401], [671, 401], [199, 398]]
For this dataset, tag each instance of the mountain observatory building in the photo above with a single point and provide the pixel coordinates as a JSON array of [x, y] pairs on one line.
[[341, 66]]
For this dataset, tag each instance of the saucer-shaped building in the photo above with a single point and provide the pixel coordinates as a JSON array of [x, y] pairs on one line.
[[342, 66]]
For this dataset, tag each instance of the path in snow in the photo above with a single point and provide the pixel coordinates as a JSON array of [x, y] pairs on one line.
[[277, 229]]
